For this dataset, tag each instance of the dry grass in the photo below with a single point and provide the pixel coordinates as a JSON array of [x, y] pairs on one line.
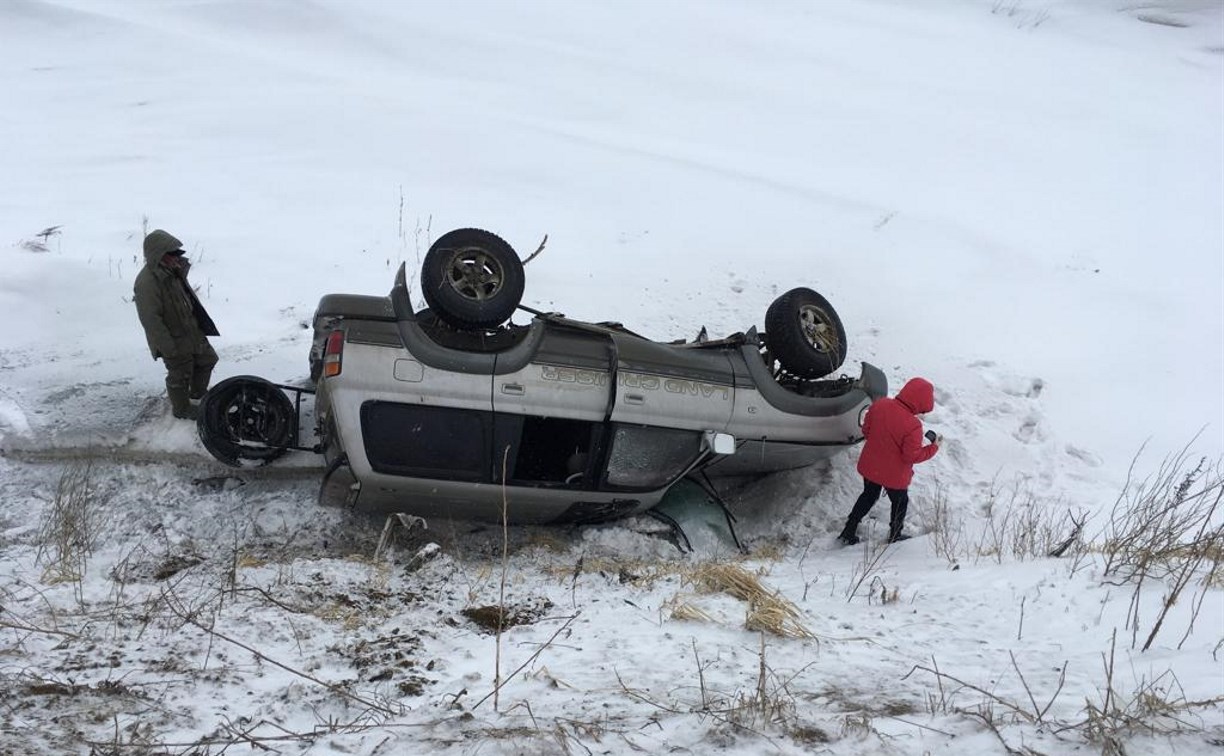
[[776, 617], [1017, 524], [947, 527], [1166, 533], [1021, 525], [69, 528], [769, 551], [767, 610], [641, 572], [680, 608], [1165, 519], [348, 617], [1156, 706], [730, 579], [768, 705]]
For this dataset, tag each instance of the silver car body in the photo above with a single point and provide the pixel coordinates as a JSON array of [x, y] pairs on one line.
[[559, 420]]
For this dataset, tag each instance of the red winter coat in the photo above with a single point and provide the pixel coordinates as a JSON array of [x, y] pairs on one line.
[[894, 435]]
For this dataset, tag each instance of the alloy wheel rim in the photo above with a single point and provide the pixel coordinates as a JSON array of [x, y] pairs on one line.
[[817, 330], [475, 274], [252, 420]]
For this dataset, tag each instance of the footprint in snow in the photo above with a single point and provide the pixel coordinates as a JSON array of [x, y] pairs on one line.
[[956, 450], [1030, 430], [1029, 388], [996, 410], [1083, 455]]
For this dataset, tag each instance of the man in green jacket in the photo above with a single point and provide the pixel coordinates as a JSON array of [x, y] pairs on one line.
[[175, 323]]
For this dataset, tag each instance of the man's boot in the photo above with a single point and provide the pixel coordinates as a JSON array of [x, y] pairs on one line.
[[199, 381], [849, 534], [180, 403]]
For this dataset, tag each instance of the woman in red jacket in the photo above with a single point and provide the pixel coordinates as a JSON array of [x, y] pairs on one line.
[[893, 446]]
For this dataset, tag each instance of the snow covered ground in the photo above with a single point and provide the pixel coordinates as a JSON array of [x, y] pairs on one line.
[[1020, 201]]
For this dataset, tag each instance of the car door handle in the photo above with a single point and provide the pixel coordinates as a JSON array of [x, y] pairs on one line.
[[634, 399], [513, 388]]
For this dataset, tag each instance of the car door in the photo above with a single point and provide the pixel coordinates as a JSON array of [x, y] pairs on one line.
[[549, 415], [669, 386]]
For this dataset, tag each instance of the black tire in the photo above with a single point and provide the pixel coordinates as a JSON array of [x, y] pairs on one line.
[[472, 279], [805, 334], [246, 418]]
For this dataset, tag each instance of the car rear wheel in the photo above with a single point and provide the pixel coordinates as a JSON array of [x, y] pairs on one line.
[[246, 418], [805, 334], [472, 279]]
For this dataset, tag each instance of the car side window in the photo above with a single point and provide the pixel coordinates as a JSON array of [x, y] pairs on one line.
[[645, 458], [550, 450], [426, 442]]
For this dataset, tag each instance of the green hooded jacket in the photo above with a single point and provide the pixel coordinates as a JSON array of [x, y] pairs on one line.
[[175, 323]]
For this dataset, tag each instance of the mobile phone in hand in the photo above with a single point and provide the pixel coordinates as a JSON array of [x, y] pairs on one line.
[[930, 436]]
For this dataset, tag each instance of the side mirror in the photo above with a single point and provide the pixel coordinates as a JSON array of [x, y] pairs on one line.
[[718, 443]]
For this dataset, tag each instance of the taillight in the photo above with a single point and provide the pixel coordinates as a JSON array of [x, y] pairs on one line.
[[333, 353]]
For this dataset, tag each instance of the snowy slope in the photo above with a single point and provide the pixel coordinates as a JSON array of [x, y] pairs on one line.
[[1020, 201]]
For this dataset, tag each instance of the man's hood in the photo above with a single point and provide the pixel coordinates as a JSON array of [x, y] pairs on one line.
[[918, 394], [157, 244]]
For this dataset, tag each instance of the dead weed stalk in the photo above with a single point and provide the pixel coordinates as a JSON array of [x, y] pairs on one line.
[[1020, 525], [947, 527], [1166, 532], [190, 617], [1156, 706], [70, 526], [768, 705], [866, 570]]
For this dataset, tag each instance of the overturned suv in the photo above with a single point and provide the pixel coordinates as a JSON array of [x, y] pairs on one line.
[[453, 412]]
